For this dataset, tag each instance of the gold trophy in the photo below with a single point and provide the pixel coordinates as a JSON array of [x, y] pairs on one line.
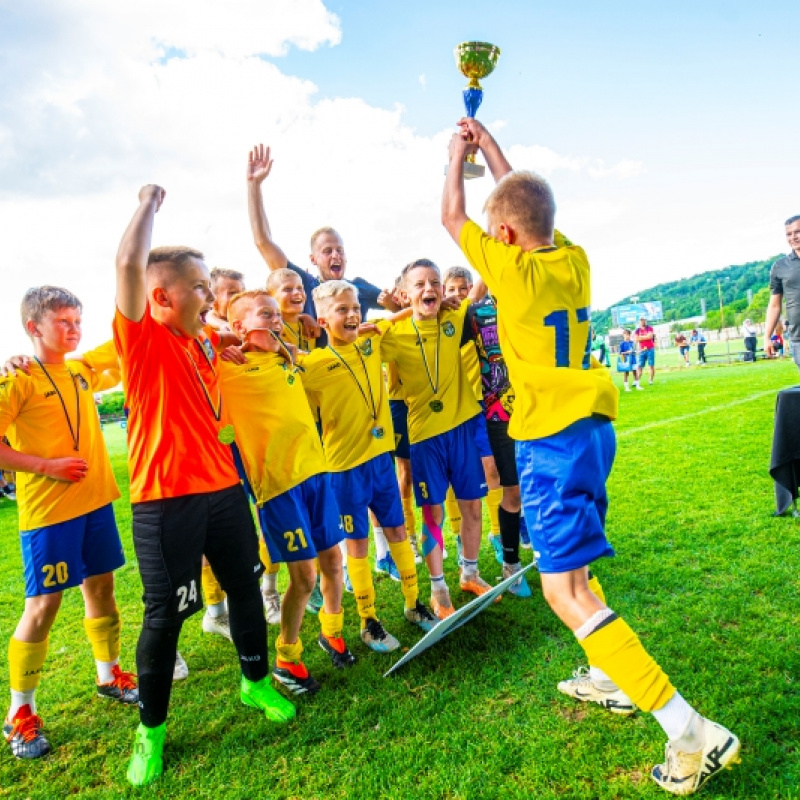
[[476, 60]]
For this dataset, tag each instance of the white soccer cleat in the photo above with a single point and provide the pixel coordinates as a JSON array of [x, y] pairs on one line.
[[181, 670], [219, 625], [272, 607], [684, 773], [582, 687]]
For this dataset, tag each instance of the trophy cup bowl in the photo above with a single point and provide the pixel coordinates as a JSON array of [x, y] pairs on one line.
[[476, 60]]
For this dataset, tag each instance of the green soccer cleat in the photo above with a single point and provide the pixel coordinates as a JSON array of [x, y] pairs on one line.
[[263, 696], [146, 762]]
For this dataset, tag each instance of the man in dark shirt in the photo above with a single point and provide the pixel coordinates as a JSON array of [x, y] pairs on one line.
[[327, 248], [784, 282]]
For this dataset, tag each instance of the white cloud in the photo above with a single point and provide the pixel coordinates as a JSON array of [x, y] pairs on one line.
[[423, 81], [101, 104]]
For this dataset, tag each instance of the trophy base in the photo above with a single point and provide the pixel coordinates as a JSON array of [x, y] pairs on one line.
[[471, 170]]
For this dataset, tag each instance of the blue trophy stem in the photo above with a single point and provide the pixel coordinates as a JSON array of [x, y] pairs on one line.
[[472, 100]]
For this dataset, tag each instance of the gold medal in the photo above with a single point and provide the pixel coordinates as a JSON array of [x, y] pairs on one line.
[[227, 435]]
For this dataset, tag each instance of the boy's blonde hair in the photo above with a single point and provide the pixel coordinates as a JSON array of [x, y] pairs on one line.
[[454, 273], [525, 201], [319, 231], [240, 303], [275, 279], [165, 263], [328, 291], [230, 274], [41, 299]]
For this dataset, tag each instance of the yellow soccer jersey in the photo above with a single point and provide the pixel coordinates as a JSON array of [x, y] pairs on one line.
[[293, 334], [36, 422], [393, 383], [543, 322], [276, 436], [449, 391], [469, 354], [104, 360], [347, 385]]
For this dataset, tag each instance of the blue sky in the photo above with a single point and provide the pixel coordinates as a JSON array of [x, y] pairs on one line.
[[667, 130]]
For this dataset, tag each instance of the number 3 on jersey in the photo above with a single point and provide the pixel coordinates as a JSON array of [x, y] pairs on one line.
[[560, 321]]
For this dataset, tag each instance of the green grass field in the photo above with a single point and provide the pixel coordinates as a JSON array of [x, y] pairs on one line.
[[704, 574]]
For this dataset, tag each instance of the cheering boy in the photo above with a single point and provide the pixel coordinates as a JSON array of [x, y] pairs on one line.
[[565, 446], [65, 489], [285, 467], [442, 411], [345, 381], [186, 495]]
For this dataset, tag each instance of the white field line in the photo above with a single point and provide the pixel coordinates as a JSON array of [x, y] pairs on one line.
[[710, 410]]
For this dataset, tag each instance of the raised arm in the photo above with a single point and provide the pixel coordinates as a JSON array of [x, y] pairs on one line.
[[454, 201], [474, 131], [259, 165], [132, 254]]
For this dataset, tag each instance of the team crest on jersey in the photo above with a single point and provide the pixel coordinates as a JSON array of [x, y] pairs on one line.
[[448, 329], [366, 347], [290, 373], [208, 348]]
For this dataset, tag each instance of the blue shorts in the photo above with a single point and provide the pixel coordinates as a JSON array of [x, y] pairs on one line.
[[647, 357], [482, 437], [372, 485], [301, 522], [562, 479], [449, 458], [60, 556], [400, 422]]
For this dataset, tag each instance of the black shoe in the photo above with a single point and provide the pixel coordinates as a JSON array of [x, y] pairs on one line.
[[294, 676], [337, 650]]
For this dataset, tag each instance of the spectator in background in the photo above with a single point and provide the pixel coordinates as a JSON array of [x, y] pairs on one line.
[[599, 348], [682, 343], [784, 281], [777, 340], [698, 338], [626, 361], [750, 340], [645, 337]]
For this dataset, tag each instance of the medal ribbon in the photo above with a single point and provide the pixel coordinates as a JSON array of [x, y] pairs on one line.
[[75, 432], [217, 412], [434, 386], [371, 406]]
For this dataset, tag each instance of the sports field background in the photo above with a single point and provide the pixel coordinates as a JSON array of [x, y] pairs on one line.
[[704, 573]]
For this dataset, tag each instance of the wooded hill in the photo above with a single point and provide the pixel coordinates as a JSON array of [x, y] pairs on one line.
[[681, 298]]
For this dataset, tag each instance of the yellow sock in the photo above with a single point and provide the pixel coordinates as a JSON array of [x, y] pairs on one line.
[[270, 567], [363, 588], [289, 652], [616, 650], [212, 591], [408, 515], [403, 557], [331, 624], [493, 505], [596, 589], [103, 635], [25, 660], [453, 511]]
